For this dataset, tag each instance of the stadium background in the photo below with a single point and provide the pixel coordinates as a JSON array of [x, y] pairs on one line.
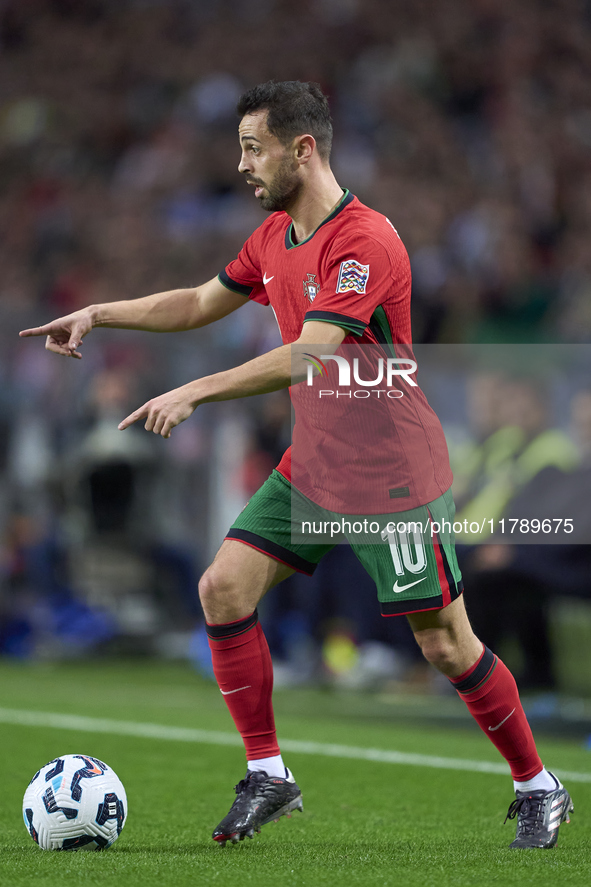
[[468, 125]]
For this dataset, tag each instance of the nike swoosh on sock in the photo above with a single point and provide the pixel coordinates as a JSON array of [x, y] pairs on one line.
[[492, 729]]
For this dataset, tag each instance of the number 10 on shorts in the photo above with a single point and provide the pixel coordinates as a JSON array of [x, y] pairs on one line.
[[407, 549]]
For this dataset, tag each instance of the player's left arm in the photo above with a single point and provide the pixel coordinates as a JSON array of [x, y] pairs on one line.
[[271, 371]]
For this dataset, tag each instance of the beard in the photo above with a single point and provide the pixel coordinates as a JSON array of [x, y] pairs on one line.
[[283, 191]]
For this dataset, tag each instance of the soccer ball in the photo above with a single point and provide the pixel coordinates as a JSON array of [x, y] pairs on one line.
[[75, 802]]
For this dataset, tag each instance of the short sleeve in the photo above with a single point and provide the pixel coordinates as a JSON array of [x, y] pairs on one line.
[[244, 275], [360, 274]]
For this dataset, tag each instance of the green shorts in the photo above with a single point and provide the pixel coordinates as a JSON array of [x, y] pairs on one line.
[[410, 555]]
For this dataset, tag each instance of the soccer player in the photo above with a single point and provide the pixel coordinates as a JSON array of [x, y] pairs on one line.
[[335, 273]]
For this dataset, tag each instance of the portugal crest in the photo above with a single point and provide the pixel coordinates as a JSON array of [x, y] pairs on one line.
[[311, 288]]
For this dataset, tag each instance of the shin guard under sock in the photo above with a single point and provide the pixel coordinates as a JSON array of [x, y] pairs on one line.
[[489, 690], [244, 672]]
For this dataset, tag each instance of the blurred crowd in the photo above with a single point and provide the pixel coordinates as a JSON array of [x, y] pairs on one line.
[[528, 481], [468, 125]]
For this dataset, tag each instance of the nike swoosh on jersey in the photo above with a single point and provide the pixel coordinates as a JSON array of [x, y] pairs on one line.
[[237, 690], [492, 729], [266, 279], [396, 589]]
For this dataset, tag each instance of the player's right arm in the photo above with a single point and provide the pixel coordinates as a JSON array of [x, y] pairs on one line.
[[168, 312]]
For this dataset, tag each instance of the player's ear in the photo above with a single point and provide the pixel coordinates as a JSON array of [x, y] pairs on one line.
[[305, 147]]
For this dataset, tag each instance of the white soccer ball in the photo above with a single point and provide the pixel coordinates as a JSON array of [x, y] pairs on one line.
[[75, 802]]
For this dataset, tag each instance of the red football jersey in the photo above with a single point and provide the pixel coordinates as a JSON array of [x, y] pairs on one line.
[[353, 457]]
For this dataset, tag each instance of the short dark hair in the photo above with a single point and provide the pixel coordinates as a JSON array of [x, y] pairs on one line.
[[294, 108]]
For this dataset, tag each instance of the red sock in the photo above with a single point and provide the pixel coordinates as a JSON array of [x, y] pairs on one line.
[[490, 692], [244, 672]]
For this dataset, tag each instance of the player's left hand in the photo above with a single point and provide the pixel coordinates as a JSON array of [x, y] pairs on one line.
[[163, 413]]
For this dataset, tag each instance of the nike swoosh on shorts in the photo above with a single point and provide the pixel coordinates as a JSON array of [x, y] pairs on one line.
[[397, 590]]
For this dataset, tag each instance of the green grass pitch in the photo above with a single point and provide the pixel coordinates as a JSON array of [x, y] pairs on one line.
[[364, 822]]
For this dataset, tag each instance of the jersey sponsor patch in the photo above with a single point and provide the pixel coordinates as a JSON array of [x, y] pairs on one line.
[[353, 276]]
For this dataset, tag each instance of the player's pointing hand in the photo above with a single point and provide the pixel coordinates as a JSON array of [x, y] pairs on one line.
[[64, 335], [163, 413]]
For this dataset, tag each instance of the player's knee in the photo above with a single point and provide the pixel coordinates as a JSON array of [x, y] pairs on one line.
[[214, 583], [438, 650], [220, 596]]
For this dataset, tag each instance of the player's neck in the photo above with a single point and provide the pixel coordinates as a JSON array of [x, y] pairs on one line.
[[318, 199]]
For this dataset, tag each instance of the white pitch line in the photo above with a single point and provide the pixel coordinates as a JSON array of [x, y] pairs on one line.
[[213, 737]]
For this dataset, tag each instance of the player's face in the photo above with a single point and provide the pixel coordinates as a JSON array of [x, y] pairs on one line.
[[268, 165]]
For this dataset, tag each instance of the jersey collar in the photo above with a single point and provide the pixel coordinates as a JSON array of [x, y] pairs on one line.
[[345, 201]]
